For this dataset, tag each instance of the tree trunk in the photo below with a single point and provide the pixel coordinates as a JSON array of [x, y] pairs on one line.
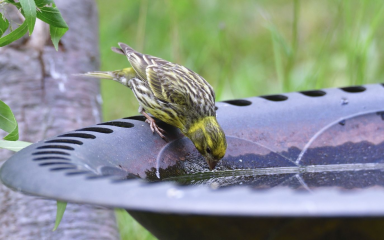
[[37, 83]]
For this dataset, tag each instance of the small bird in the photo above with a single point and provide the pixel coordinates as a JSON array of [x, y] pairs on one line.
[[175, 95]]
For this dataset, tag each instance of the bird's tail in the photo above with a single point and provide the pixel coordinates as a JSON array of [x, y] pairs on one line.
[[121, 76], [98, 74]]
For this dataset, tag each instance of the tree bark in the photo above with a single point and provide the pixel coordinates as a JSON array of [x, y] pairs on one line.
[[37, 83]]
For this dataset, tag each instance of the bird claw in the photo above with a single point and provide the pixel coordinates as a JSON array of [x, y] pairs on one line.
[[154, 127]]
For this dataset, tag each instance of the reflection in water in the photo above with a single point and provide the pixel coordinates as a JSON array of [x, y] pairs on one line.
[[348, 155], [360, 127], [346, 176]]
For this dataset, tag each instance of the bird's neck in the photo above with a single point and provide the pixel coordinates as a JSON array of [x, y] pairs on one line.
[[200, 125]]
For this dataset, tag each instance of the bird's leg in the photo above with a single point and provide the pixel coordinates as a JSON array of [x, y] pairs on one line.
[[152, 123]]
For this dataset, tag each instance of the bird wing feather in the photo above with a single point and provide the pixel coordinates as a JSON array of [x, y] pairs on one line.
[[177, 84], [165, 85], [168, 81]]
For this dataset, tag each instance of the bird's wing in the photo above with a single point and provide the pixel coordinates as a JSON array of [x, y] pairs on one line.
[[168, 81], [117, 50], [177, 84], [139, 61]]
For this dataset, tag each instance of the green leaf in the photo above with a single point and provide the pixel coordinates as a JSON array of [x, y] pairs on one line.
[[14, 145], [56, 34], [57, 26], [59, 213], [4, 24], [52, 16], [129, 228], [8, 122], [14, 35], [29, 10], [42, 3]]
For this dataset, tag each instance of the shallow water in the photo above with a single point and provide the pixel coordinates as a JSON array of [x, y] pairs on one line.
[[347, 176], [348, 155]]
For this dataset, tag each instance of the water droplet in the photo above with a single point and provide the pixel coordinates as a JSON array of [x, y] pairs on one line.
[[342, 123], [174, 193], [215, 185], [344, 101]]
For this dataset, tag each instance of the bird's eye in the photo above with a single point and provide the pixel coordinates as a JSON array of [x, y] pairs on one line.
[[208, 150]]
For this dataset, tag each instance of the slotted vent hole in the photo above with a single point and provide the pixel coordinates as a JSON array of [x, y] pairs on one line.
[[50, 152], [51, 158], [239, 102], [138, 118], [56, 163], [96, 129], [118, 124], [275, 98], [316, 93], [56, 146], [71, 141], [98, 176], [354, 89], [77, 173], [62, 168], [79, 135]]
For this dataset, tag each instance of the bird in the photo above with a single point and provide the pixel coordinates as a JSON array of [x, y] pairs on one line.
[[174, 94]]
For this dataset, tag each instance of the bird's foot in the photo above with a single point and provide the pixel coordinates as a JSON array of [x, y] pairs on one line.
[[154, 127], [152, 123]]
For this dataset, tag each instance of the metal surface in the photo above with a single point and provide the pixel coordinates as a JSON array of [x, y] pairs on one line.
[[310, 154]]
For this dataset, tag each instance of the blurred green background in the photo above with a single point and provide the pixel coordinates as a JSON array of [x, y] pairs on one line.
[[244, 48]]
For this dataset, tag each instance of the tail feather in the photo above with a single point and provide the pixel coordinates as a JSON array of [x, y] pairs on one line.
[[118, 50], [126, 49], [122, 76], [98, 74]]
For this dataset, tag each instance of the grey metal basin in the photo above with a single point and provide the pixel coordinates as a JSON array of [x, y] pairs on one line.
[[303, 165]]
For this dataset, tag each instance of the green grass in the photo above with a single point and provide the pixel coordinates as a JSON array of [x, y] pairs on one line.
[[129, 229], [246, 48]]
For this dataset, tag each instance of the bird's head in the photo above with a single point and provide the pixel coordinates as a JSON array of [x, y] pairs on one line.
[[209, 140]]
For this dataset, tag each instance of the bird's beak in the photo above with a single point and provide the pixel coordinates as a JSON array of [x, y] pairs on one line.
[[211, 163]]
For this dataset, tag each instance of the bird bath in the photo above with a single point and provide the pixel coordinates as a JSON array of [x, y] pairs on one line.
[[304, 165]]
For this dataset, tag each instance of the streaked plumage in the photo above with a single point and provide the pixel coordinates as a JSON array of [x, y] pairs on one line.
[[175, 95]]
